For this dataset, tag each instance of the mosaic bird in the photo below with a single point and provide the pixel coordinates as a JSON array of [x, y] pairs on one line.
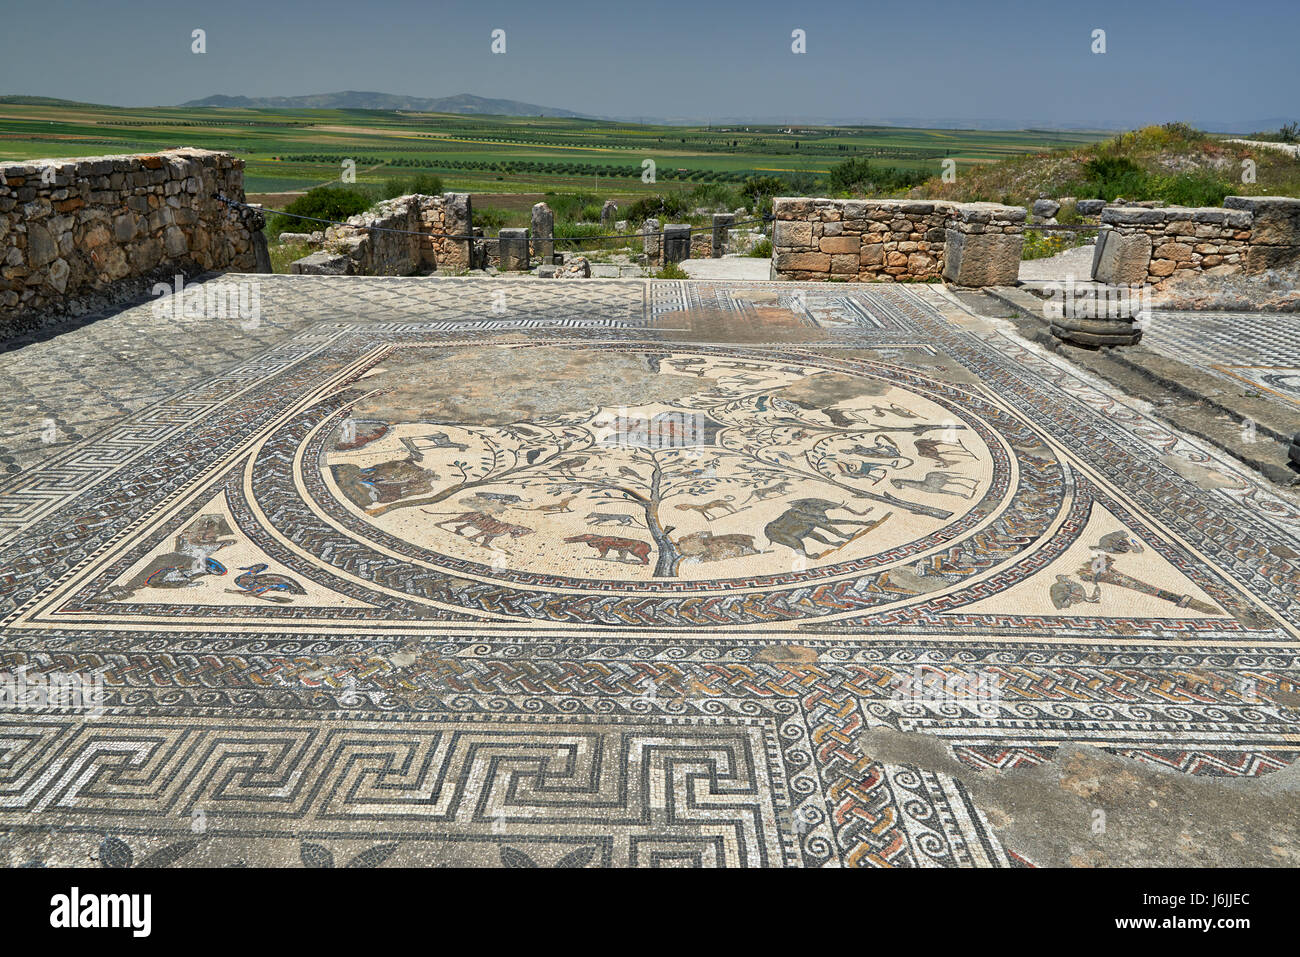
[[256, 582]]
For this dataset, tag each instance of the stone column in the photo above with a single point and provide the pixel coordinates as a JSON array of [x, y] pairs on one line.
[[513, 249], [721, 223], [458, 220], [544, 233], [608, 213], [677, 242], [650, 243]]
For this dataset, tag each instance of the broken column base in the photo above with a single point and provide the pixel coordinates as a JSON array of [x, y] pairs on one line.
[[1095, 333]]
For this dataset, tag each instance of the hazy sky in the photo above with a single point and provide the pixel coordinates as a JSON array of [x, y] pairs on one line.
[[1026, 60]]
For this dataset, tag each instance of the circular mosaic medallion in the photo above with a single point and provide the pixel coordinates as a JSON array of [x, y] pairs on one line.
[[656, 473]]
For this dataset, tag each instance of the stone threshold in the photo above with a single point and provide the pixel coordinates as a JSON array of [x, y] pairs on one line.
[[1193, 400]]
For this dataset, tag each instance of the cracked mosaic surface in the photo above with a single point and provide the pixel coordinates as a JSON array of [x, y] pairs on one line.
[[613, 573]]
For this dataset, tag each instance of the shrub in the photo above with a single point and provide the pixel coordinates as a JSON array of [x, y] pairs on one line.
[[335, 203], [1191, 189], [762, 249], [857, 175], [664, 208], [489, 217], [1110, 176], [671, 271]]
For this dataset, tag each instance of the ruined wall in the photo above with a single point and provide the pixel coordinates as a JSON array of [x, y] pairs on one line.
[[1171, 245], [397, 237], [75, 233], [882, 240]]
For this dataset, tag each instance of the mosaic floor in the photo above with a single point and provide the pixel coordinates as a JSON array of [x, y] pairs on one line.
[[615, 573], [1258, 352]]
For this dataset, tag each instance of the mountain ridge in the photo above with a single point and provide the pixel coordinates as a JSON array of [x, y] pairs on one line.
[[466, 103]]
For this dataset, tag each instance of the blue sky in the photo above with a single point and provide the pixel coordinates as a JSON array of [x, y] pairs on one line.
[[1029, 62]]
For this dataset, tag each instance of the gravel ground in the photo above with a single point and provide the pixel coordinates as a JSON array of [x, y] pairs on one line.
[[1076, 262]]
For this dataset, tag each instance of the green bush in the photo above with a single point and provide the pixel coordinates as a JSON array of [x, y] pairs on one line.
[[1191, 189], [665, 208], [671, 271], [489, 217], [857, 175], [762, 249], [1108, 177], [335, 203]]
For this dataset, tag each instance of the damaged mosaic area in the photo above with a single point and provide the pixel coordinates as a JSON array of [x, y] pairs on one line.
[[669, 573]]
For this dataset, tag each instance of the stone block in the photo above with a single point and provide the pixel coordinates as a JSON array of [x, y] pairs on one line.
[[1121, 257], [677, 242], [987, 259], [1275, 219], [722, 222], [1090, 207], [513, 249], [803, 262], [839, 244], [544, 233], [788, 233], [322, 264], [1262, 258]]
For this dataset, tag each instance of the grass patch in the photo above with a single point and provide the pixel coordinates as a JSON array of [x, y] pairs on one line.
[[282, 254]]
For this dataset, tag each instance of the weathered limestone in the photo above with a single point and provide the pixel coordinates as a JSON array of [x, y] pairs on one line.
[[399, 237], [513, 249], [890, 239], [544, 233], [576, 267], [677, 242], [1121, 258], [722, 222], [983, 242], [1274, 231], [650, 244], [1163, 245], [1090, 207], [444, 217], [608, 213], [76, 232], [323, 263]]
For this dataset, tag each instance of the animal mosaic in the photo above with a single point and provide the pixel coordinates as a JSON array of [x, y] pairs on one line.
[[486, 528], [940, 483], [707, 547], [622, 547], [189, 561], [609, 518], [269, 586], [942, 453], [806, 518], [705, 508]]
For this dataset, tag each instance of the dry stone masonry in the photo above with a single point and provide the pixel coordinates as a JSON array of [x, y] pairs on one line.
[[397, 237], [888, 239], [75, 233], [1162, 246]]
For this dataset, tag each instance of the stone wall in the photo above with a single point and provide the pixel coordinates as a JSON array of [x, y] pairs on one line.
[[397, 237], [77, 233], [883, 240], [1171, 245]]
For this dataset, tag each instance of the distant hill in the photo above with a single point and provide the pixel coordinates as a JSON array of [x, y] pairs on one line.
[[40, 101], [358, 100]]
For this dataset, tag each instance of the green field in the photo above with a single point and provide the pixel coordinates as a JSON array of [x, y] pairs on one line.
[[293, 150]]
